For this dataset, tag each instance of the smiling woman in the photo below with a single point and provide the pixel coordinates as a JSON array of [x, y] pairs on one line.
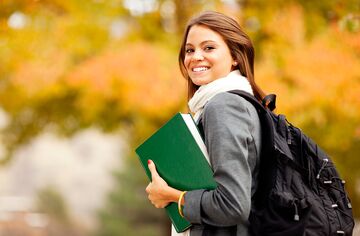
[[218, 31], [207, 56], [216, 56]]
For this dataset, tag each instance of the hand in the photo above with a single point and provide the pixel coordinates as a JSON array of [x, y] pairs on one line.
[[159, 192]]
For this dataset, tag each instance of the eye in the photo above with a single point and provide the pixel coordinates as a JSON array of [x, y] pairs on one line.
[[189, 50], [209, 48]]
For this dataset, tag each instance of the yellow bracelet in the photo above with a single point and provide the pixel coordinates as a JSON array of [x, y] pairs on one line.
[[179, 204]]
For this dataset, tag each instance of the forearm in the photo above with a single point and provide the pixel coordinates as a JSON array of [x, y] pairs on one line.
[[227, 205]]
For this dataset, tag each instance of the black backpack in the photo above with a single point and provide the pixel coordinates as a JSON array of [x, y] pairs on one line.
[[299, 190]]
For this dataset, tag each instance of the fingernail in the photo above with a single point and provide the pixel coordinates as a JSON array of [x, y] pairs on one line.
[[149, 161]]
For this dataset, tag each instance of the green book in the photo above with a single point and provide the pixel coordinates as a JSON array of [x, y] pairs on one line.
[[180, 156]]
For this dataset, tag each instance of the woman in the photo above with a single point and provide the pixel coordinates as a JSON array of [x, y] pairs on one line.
[[216, 56]]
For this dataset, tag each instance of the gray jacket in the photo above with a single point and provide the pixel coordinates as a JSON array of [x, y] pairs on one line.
[[233, 139]]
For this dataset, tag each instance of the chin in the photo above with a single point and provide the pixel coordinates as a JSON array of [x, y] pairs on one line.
[[201, 81]]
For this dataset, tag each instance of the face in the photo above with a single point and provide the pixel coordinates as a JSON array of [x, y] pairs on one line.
[[207, 56]]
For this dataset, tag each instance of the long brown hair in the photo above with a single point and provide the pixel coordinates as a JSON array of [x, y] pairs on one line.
[[237, 40]]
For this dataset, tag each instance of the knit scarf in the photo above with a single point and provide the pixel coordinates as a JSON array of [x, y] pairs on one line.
[[233, 81]]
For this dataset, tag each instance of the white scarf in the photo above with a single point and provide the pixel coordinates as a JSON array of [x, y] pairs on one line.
[[234, 80]]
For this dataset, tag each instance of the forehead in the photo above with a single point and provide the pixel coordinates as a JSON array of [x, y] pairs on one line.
[[200, 33]]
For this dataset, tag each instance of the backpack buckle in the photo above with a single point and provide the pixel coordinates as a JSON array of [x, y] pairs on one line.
[[269, 101]]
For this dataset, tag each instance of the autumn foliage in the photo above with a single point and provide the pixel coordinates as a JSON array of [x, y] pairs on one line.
[[64, 69]]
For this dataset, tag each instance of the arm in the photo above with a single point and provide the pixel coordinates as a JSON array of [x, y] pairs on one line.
[[228, 137], [227, 126]]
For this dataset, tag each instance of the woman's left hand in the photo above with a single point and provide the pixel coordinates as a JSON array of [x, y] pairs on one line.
[[159, 192]]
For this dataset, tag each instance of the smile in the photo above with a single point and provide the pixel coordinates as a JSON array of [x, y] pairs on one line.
[[197, 69]]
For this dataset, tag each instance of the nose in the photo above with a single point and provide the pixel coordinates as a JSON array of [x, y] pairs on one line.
[[198, 56]]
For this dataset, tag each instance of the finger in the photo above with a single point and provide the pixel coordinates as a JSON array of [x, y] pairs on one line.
[[152, 168]]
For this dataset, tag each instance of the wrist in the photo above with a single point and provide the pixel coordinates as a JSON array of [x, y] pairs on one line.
[[174, 195]]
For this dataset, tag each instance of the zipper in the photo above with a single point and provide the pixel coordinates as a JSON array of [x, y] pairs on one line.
[[296, 216], [325, 161]]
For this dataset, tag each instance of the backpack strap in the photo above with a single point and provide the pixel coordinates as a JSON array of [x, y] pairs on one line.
[[267, 161], [250, 98], [267, 125]]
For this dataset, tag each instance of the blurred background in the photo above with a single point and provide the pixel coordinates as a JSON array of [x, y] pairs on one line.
[[83, 82]]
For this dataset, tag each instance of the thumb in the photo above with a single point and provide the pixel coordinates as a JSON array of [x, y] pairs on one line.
[[152, 168]]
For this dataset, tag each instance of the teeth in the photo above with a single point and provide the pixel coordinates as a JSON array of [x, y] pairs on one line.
[[197, 69]]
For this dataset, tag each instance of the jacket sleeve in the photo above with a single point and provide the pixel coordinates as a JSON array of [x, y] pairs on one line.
[[228, 137]]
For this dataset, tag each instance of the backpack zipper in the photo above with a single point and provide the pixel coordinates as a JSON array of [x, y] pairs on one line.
[[296, 216], [325, 161]]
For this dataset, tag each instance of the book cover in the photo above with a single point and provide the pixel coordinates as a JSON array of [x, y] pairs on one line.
[[181, 159]]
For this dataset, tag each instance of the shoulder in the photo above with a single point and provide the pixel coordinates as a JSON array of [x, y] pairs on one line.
[[227, 111], [225, 101]]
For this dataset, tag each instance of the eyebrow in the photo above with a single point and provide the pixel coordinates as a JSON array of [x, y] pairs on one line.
[[202, 43]]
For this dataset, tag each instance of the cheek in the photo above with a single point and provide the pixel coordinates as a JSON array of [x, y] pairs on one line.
[[224, 64], [186, 62]]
